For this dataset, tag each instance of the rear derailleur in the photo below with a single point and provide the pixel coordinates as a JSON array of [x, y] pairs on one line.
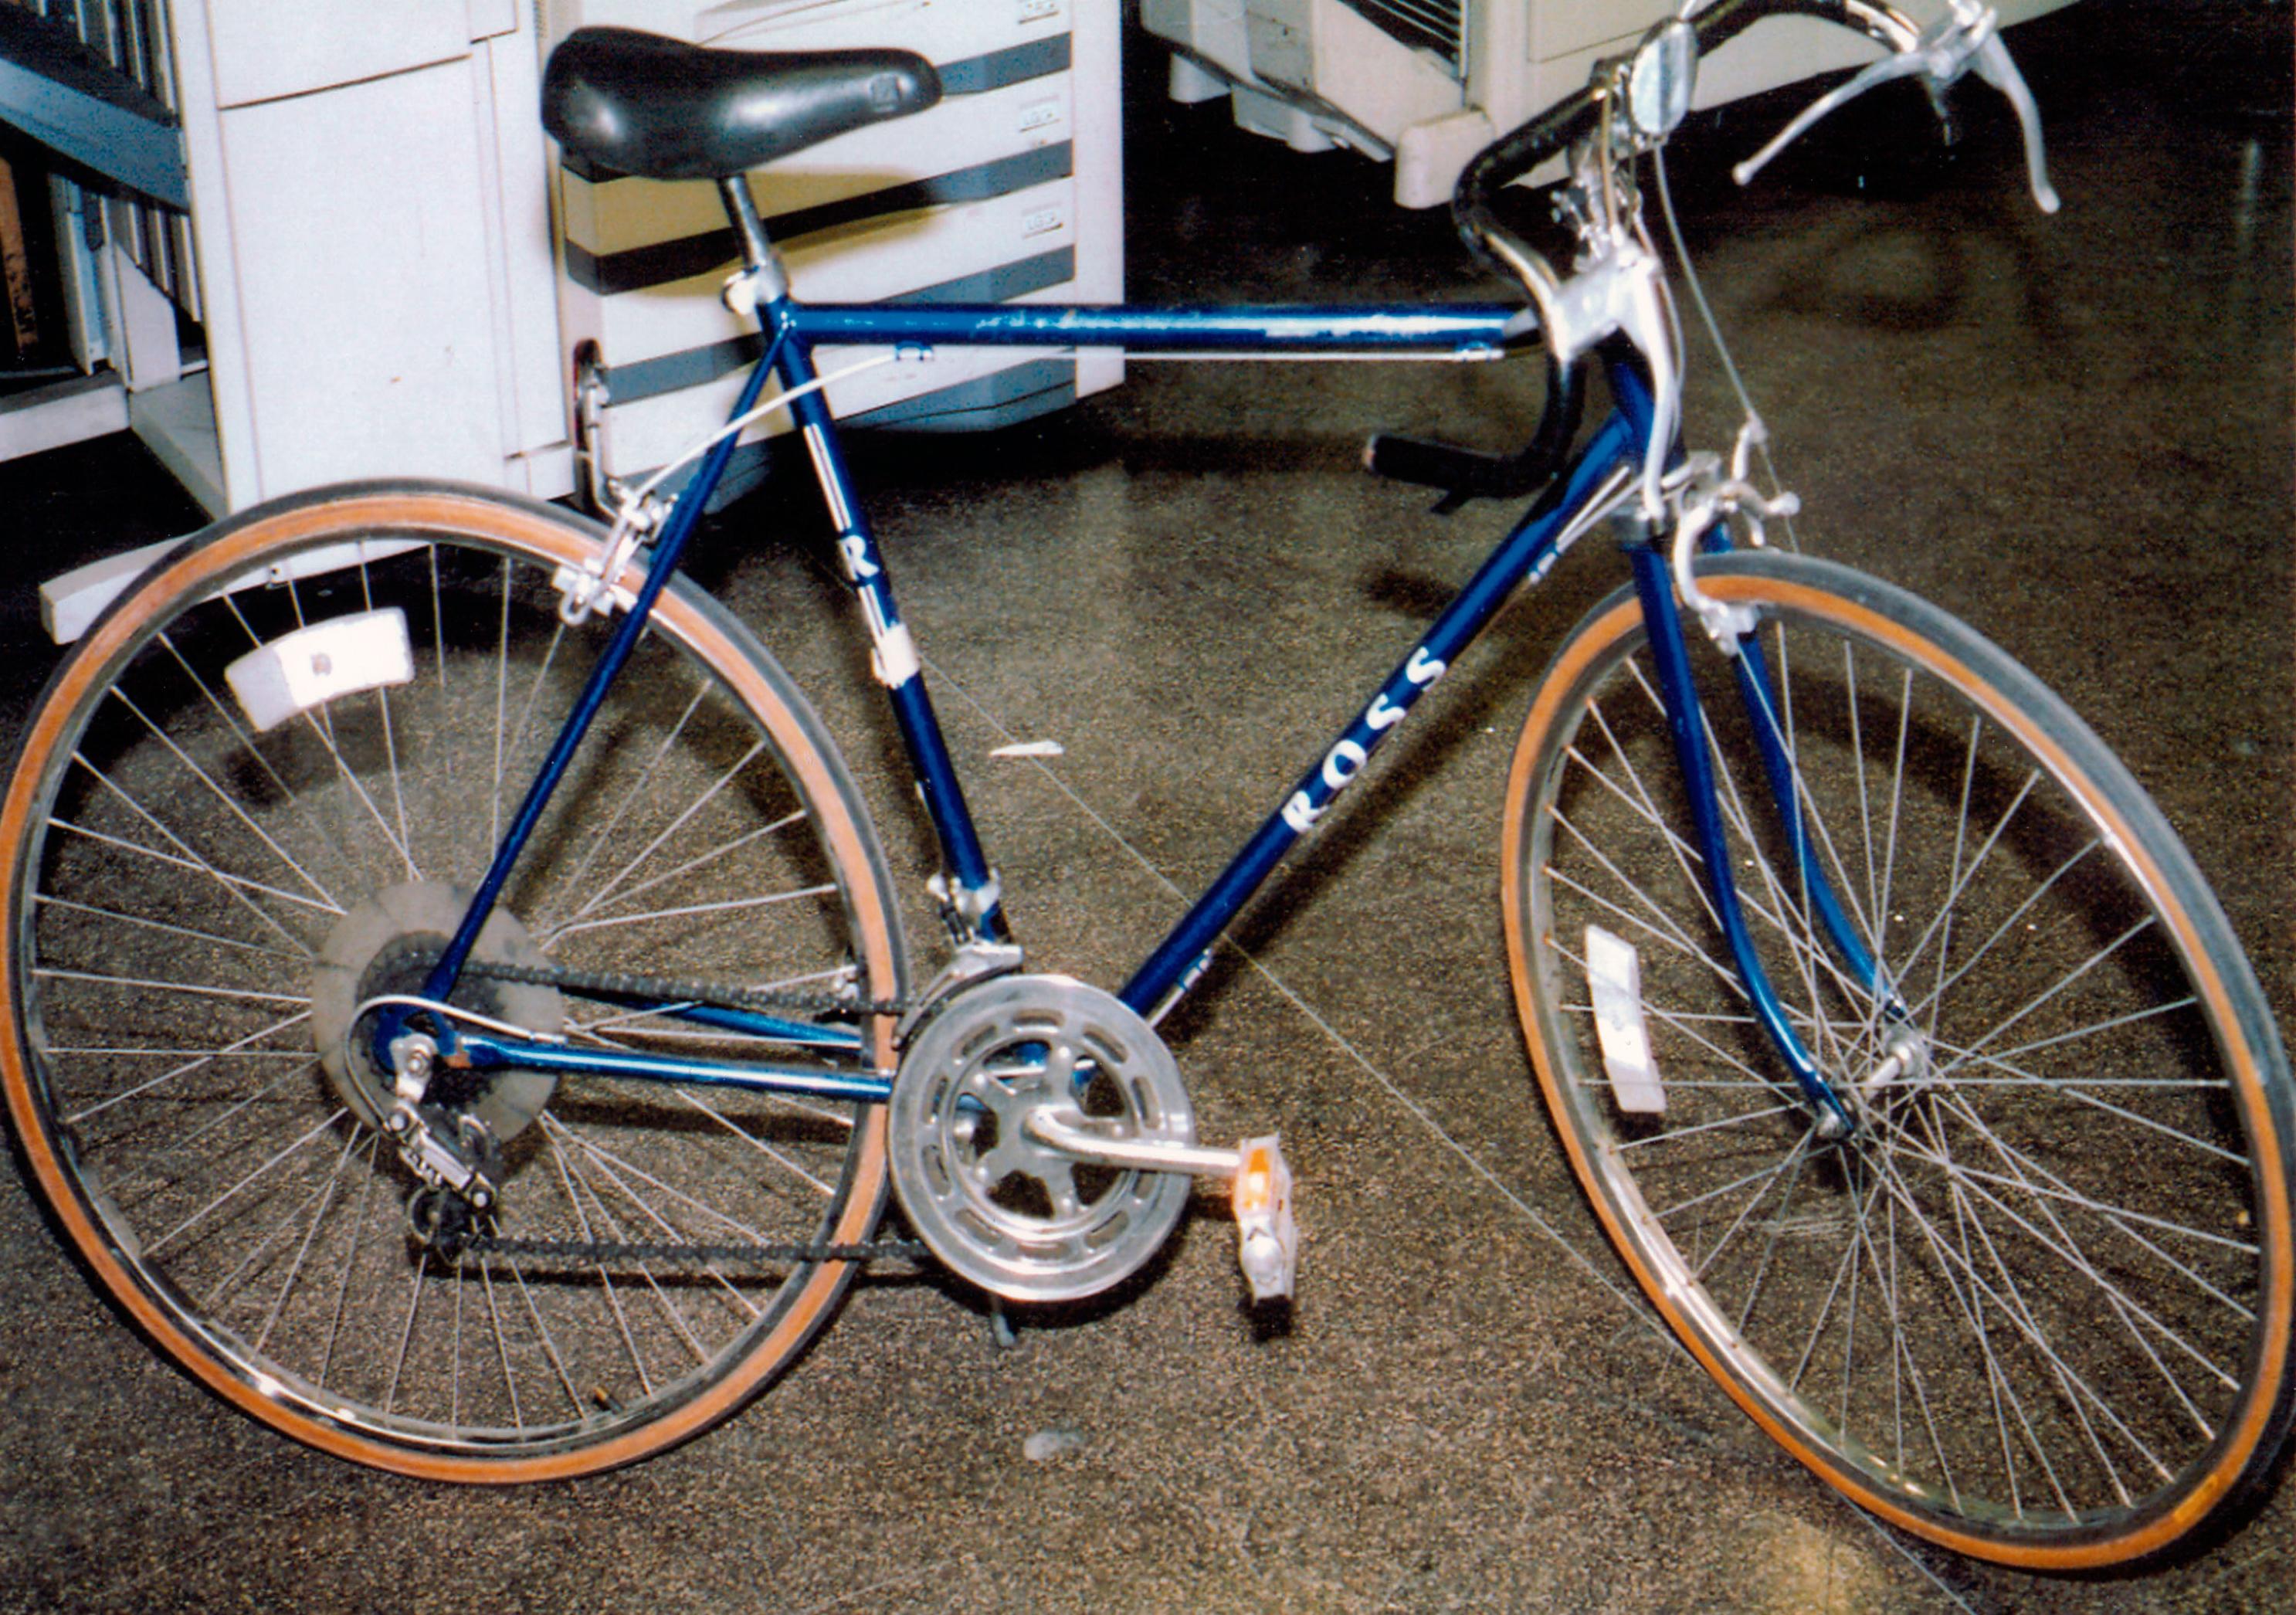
[[454, 1152]]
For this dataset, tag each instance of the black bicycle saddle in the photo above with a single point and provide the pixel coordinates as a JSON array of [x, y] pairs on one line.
[[661, 108]]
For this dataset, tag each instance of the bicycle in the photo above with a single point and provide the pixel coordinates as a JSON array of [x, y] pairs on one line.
[[460, 1014]]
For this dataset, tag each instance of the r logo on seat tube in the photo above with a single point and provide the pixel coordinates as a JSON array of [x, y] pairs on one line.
[[1348, 754]]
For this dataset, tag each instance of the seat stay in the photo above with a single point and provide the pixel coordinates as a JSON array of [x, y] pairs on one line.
[[668, 548]]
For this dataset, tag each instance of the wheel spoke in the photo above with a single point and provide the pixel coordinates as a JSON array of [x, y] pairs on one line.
[[589, 1234], [577, 879], [2018, 1304], [324, 1197], [240, 1187], [201, 1059], [612, 883], [224, 797], [205, 907], [690, 910]]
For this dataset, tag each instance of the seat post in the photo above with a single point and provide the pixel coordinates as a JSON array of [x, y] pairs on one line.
[[756, 247]]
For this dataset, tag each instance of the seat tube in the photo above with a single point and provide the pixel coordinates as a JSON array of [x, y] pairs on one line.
[[970, 895]]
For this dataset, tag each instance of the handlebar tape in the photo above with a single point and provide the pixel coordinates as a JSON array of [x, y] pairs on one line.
[[1472, 474]]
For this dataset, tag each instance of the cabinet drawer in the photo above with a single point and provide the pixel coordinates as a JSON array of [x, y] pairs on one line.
[[672, 360], [967, 149], [260, 55], [957, 252], [949, 31]]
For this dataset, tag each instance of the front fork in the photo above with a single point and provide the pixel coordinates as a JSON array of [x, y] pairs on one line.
[[1686, 721]]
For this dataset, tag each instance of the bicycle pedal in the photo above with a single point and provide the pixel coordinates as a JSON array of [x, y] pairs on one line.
[[1266, 1236]]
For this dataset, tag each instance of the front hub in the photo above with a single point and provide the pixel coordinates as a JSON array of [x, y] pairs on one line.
[[1902, 1072]]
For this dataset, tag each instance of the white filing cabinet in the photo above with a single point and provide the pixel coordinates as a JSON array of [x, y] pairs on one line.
[[1008, 190], [378, 254], [371, 227]]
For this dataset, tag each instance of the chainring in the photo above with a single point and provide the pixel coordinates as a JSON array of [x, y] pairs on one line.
[[1017, 1217]]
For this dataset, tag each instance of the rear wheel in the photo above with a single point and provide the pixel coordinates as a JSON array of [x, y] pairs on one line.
[[196, 903], [2037, 1308]]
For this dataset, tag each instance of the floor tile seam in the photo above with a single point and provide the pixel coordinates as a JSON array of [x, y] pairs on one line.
[[1631, 1303], [1906, 1553]]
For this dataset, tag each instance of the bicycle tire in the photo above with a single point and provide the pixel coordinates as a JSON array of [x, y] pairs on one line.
[[189, 897], [2037, 1307]]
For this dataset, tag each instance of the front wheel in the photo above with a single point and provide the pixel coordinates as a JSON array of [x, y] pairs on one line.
[[259, 795], [2037, 1307]]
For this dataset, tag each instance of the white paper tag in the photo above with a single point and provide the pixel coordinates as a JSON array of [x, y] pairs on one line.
[[1614, 981], [323, 662]]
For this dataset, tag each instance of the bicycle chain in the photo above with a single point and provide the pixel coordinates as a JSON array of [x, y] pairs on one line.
[[600, 1253], [667, 991]]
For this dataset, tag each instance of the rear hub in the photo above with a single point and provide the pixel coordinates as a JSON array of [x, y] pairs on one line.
[[386, 946]]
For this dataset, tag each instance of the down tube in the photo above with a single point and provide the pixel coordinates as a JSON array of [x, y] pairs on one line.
[[1528, 552]]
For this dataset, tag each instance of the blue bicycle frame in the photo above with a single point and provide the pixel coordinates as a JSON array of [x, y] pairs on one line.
[[1592, 485]]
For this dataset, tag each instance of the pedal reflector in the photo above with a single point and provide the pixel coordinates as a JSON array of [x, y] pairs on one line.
[[313, 666], [1614, 980], [1268, 1239]]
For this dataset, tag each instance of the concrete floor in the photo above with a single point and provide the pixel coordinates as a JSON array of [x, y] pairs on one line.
[[2075, 432]]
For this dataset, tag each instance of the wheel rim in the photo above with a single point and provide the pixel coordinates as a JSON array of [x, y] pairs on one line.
[[270, 1265], [2038, 1353]]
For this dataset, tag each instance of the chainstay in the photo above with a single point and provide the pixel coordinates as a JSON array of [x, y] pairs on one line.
[[601, 1253], [717, 994]]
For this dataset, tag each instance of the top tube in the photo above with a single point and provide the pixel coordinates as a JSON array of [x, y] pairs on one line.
[[1463, 330]]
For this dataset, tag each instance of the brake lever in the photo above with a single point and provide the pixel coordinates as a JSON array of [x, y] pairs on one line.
[[1966, 37], [1994, 65], [1866, 77]]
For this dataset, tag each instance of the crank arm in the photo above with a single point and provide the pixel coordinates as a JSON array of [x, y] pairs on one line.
[[1268, 1238], [1078, 1137]]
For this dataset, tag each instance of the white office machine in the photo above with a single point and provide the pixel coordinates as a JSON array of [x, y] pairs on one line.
[[1426, 84]]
